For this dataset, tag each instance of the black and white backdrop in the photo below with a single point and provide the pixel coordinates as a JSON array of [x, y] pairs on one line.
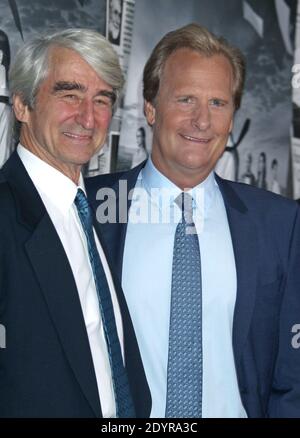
[[263, 148]]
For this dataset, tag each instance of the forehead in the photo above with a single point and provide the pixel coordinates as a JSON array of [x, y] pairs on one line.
[[61, 59], [67, 65], [186, 67]]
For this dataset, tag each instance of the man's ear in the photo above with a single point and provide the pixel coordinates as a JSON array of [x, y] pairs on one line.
[[149, 111], [21, 110]]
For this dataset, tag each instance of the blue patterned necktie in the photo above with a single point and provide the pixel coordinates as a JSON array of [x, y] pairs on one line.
[[184, 380], [124, 403]]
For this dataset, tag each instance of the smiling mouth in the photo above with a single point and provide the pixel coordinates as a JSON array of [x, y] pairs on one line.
[[196, 139], [77, 136]]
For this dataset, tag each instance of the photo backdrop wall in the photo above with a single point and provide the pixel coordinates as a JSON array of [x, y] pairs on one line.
[[259, 150]]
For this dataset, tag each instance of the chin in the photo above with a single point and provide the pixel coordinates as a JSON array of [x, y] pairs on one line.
[[78, 159], [193, 163]]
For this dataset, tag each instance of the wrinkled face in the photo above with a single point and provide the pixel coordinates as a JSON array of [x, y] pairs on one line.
[[191, 116], [71, 115]]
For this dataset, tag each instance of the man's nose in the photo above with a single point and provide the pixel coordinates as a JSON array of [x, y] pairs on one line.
[[201, 117], [85, 116]]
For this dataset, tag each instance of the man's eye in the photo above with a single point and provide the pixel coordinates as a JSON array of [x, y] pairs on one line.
[[217, 102], [104, 102], [71, 97], [185, 99]]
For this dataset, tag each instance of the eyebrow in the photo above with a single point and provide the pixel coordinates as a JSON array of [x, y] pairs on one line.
[[69, 86]]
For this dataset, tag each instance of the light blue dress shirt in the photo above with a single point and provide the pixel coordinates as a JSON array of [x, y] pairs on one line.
[[147, 272]]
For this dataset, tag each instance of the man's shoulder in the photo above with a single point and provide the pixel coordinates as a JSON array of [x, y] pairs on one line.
[[112, 179], [256, 198]]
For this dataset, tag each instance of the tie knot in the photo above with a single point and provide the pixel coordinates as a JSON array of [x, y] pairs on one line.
[[83, 208], [81, 201], [185, 203]]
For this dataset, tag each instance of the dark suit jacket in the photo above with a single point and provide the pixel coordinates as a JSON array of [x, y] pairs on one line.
[[46, 369], [265, 231]]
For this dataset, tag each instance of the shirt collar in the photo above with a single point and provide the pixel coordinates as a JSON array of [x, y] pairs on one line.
[[50, 182], [203, 194]]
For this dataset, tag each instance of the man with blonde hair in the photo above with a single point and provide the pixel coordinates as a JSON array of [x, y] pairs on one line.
[[214, 291]]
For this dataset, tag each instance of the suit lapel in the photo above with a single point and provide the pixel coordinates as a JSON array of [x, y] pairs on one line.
[[123, 206], [54, 275], [114, 234], [243, 236]]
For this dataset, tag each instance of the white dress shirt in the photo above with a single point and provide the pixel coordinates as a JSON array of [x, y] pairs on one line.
[[58, 194], [146, 281]]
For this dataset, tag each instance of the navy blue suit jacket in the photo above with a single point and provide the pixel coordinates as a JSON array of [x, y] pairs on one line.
[[46, 369], [265, 231]]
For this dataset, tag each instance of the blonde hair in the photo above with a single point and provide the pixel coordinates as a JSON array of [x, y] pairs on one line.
[[197, 38]]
